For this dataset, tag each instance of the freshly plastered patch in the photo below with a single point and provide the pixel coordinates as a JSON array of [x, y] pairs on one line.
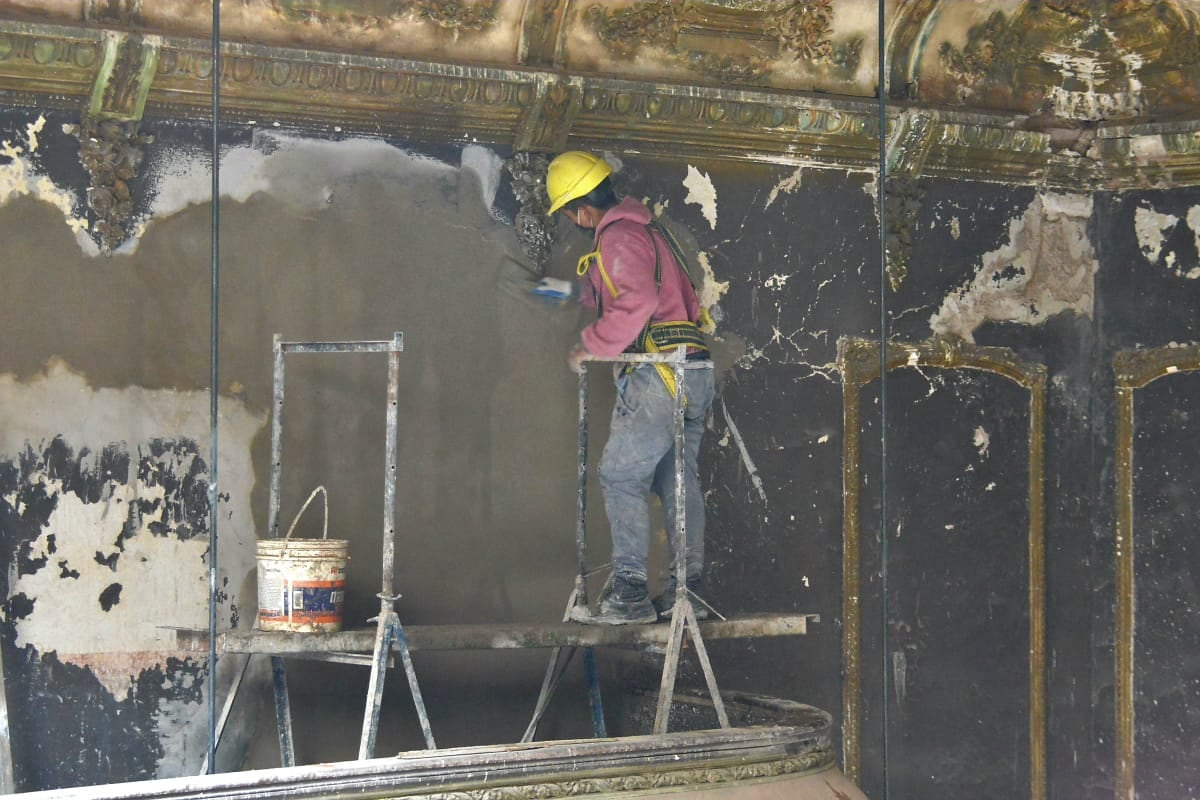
[[299, 172]]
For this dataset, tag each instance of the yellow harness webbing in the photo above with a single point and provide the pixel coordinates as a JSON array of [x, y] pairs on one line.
[[670, 335], [585, 262], [656, 337]]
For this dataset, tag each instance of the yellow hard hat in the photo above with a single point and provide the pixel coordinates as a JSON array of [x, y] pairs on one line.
[[572, 175]]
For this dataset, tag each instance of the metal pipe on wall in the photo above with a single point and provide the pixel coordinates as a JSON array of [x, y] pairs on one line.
[[214, 386], [881, 199]]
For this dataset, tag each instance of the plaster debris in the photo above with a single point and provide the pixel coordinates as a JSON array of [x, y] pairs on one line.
[[955, 228], [1048, 267], [746, 460], [787, 186], [1151, 228], [701, 192]]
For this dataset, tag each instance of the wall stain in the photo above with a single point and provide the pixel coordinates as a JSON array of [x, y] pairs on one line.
[[110, 596]]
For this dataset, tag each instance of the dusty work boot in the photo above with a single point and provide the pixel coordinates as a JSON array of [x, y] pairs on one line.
[[624, 601], [664, 603]]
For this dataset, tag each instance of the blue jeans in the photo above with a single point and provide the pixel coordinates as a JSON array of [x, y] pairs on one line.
[[640, 457]]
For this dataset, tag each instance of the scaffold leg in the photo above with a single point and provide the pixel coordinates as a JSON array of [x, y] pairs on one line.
[[283, 713]]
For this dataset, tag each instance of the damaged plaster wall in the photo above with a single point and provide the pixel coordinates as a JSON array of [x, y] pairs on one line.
[[322, 239], [1168, 241], [105, 496], [1047, 267]]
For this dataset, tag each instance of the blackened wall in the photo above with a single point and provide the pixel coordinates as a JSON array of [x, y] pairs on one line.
[[328, 239]]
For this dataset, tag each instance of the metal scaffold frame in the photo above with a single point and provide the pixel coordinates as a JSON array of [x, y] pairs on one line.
[[683, 615], [353, 646], [389, 632]]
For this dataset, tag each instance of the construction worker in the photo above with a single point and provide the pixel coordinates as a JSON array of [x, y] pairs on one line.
[[636, 280]]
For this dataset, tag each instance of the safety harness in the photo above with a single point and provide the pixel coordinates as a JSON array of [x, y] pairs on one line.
[[659, 336]]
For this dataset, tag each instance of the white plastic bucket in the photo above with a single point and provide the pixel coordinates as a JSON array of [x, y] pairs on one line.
[[302, 582]]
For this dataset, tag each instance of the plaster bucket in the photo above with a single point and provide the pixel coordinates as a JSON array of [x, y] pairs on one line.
[[302, 582]]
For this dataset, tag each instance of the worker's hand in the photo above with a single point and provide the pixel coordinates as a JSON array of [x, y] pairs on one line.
[[554, 290], [576, 357]]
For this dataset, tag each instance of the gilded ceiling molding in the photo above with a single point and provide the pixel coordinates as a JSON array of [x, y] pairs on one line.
[[122, 84], [121, 75], [726, 124], [1132, 369], [549, 117], [456, 17], [122, 12], [541, 30], [731, 42], [860, 362], [906, 42], [608, 785]]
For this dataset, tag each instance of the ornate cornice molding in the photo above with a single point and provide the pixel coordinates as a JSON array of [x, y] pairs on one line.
[[658, 780], [544, 110]]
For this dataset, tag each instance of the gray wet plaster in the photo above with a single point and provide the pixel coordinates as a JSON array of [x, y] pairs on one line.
[[1047, 267], [319, 242], [328, 240]]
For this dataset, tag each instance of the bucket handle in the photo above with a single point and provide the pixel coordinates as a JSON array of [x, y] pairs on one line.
[[325, 533]]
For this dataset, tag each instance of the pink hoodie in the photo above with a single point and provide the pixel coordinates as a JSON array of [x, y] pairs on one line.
[[627, 249]]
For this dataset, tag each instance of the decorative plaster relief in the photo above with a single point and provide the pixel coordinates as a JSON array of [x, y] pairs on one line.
[[1047, 267], [111, 152], [528, 172], [737, 41], [1069, 59]]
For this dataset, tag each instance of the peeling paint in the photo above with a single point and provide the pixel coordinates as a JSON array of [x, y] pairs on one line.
[[787, 186], [711, 290], [701, 192], [1047, 267], [20, 178], [981, 440], [108, 521], [1151, 228], [1193, 222]]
